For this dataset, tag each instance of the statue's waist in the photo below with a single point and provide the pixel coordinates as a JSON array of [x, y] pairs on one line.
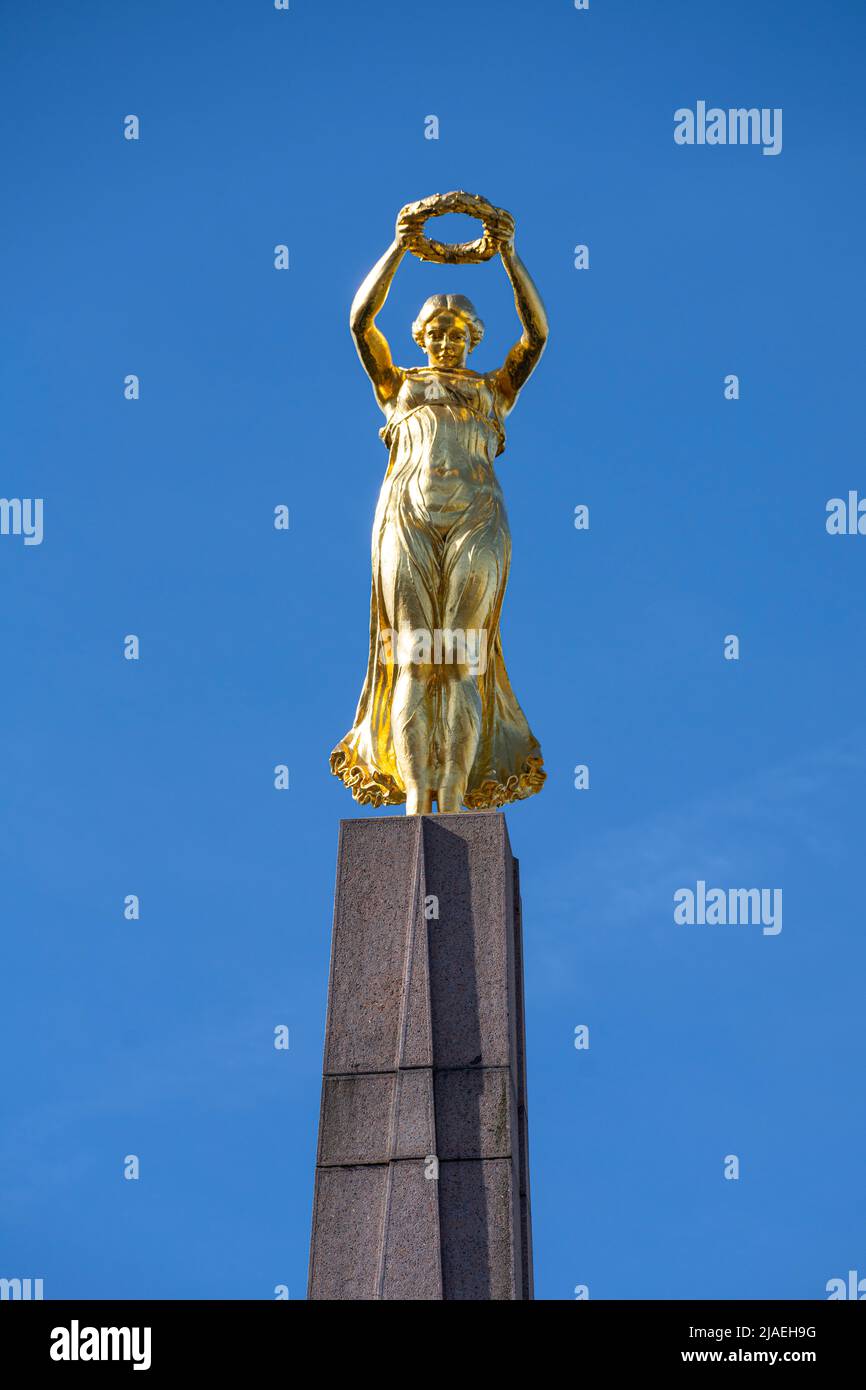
[[446, 480], [437, 464], [446, 489]]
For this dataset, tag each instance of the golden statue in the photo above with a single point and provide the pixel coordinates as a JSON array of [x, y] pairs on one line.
[[437, 719]]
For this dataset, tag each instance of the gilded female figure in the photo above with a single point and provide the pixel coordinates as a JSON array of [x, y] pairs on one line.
[[437, 720]]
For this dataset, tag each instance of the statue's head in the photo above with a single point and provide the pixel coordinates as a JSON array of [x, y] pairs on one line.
[[447, 328]]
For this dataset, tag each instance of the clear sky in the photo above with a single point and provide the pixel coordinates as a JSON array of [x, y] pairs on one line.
[[707, 518]]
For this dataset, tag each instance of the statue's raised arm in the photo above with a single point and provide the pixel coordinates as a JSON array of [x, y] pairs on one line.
[[524, 356], [373, 347]]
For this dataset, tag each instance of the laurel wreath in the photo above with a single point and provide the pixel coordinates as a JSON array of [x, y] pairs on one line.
[[452, 253]]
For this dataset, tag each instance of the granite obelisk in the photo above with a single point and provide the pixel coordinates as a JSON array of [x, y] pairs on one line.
[[422, 1177]]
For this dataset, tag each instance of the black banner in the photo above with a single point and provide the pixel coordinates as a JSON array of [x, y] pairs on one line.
[[221, 1337]]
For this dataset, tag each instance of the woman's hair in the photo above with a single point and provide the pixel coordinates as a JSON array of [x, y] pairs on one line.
[[455, 304]]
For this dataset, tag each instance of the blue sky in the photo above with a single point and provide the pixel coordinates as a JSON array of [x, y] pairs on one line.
[[155, 257]]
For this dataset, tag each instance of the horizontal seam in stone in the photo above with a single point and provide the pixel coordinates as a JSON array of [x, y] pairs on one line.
[[421, 1158], [393, 1071]]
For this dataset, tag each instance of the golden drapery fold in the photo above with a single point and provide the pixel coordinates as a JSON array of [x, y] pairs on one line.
[[422, 562]]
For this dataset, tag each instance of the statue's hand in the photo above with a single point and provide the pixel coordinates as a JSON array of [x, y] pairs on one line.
[[407, 230], [501, 228]]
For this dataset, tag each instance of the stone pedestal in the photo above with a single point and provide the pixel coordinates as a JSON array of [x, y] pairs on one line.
[[422, 1177]]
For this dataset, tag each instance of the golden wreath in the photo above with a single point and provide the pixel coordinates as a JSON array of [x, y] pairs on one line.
[[452, 253]]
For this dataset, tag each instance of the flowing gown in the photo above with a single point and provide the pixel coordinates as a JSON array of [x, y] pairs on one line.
[[440, 557]]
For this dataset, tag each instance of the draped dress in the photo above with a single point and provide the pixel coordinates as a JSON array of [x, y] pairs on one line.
[[441, 551]]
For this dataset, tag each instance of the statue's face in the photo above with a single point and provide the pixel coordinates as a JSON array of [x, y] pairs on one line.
[[446, 340]]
